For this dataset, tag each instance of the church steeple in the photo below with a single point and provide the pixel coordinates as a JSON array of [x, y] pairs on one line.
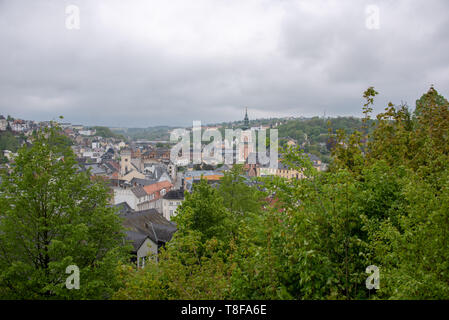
[[246, 120]]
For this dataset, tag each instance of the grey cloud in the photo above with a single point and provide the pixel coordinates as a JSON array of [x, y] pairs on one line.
[[158, 62]]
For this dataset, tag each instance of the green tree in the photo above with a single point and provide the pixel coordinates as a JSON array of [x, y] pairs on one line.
[[8, 141], [203, 211], [199, 252], [53, 217], [238, 197], [383, 202]]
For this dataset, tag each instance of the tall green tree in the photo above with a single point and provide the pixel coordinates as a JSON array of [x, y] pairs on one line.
[[52, 216]]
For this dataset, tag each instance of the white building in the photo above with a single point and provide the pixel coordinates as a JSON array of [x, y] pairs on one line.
[[135, 197], [170, 203], [3, 123]]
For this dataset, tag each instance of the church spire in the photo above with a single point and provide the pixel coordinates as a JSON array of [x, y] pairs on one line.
[[246, 120]]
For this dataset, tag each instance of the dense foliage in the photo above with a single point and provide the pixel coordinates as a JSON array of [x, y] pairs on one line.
[[9, 141], [52, 216], [384, 202]]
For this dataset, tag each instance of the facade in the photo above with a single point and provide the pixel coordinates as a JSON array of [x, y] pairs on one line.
[[156, 192], [3, 123], [192, 177], [135, 197], [170, 202], [125, 162]]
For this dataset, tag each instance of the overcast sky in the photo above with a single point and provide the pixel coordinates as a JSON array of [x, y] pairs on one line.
[[168, 62]]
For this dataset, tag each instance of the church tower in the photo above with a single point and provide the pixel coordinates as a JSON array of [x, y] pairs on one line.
[[246, 120], [125, 162], [246, 150]]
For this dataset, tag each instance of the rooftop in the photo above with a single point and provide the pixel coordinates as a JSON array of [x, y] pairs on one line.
[[147, 223]]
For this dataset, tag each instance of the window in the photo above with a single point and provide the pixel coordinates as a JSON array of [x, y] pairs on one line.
[[141, 262]]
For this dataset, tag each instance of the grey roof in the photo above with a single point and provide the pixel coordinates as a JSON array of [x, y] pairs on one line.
[[283, 166], [174, 195], [124, 208], [110, 166], [158, 172], [313, 157], [96, 169], [139, 191], [147, 223], [136, 238], [142, 182], [224, 167], [199, 173]]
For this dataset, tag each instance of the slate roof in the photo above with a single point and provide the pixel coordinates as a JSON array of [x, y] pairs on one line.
[[198, 173], [174, 195], [139, 191], [96, 169], [136, 238], [124, 208], [147, 223], [142, 182], [313, 157], [113, 165]]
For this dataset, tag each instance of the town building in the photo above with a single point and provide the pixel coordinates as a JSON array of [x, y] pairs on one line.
[[171, 201]]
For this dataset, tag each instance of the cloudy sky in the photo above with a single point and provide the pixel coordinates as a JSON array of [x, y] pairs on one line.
[[168, 62]]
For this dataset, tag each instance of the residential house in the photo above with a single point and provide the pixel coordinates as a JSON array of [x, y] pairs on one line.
[[140, 197], [192, 177], [147, 231], [155, 192], [134, 196], [170, 202], [3, 123]]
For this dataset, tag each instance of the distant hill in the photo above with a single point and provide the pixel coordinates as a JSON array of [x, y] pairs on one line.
[[312, 134], [106, 132], [158, 133]]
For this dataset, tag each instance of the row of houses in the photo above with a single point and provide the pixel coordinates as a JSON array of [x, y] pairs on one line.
[[281, 169], [143, 191], [18, 125]]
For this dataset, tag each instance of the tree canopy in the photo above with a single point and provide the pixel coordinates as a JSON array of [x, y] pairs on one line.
[[52, 216]]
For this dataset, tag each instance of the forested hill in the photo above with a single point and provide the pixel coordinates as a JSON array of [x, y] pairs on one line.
[[316, 129], [312, 134], [299, 129]]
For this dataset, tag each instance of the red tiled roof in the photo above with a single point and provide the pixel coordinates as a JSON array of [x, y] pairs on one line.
[[156, 187]]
